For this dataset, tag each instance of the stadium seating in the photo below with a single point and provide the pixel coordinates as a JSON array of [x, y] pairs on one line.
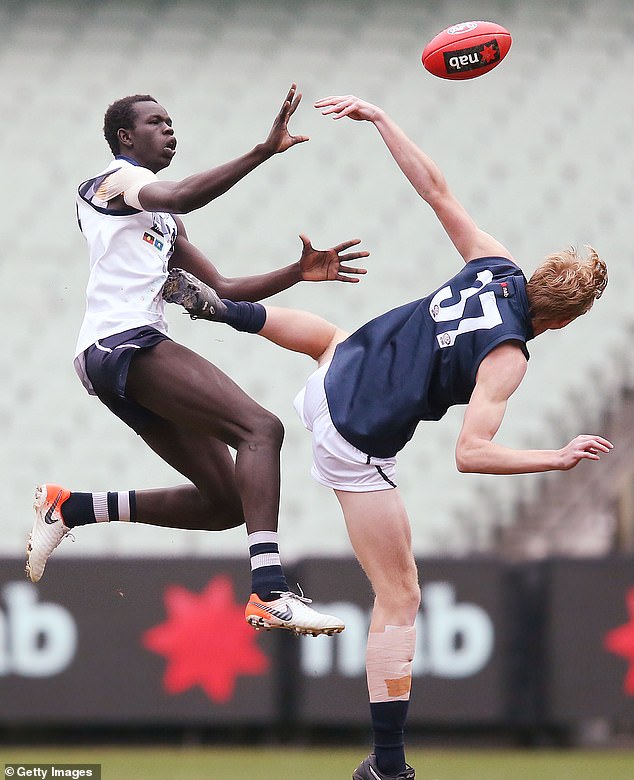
[[539, 151]]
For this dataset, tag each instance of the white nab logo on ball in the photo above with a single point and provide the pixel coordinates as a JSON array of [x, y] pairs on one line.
[[456, 29]]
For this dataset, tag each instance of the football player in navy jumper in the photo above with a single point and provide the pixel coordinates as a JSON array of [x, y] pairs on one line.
[[187, 410], [465, 343]]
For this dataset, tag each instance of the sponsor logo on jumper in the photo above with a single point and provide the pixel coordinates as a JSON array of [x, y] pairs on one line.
[[473, 57]]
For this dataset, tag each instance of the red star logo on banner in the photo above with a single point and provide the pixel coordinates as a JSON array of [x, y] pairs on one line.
[[621, 641], [488, 53], [206, 640]]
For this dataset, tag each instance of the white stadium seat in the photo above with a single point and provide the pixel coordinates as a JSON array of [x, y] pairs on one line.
[[540, 152]]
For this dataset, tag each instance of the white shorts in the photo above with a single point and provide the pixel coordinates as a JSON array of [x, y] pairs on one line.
[[336, 463]]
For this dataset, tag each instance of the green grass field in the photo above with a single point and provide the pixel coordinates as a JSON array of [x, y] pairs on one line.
[[329, 764]]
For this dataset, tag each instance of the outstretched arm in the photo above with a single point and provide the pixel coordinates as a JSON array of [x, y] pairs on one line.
[[201, 188], [314, 265], [181, 197], [425, 176], [499, 375]]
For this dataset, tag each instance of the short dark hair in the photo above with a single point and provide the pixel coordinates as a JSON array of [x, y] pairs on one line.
[[121, 114]]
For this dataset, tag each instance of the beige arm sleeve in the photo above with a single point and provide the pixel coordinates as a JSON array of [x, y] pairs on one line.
[[127, 181]]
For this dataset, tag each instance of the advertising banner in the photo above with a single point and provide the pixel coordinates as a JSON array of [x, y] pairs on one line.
[[589, 639], [464, 644], [142, 642], [133, 641]]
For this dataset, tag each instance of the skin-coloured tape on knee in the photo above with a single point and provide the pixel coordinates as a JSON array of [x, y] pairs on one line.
[[389, 659]]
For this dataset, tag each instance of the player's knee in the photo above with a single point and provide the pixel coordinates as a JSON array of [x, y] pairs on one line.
[[267, 430], [402, 593], [414, 596], [408, 593]]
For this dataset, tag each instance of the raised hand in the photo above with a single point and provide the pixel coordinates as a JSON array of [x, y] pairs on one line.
[[348, 105], [322, 265], [583, 447], [279, 139]]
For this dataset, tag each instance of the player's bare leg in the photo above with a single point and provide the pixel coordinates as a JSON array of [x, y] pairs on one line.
[[202, 412], [181, 386], [302, 331], [293, 329], [380, 533], [198, 399]]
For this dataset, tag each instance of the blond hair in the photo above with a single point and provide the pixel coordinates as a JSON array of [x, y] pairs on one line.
[[566, 285]]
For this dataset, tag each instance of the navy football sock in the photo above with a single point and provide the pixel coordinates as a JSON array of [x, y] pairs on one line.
[[244, 315], [78, 510], [388, 722], [87, 508], [267, 575]]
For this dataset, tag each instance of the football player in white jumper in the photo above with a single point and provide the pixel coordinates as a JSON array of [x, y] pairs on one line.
[[187, 410]]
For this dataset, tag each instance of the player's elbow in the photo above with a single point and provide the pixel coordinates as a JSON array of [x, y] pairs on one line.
[[466, 458], [463, 465], [437, 194]]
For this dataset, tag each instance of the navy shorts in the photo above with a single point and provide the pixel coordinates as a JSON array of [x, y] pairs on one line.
[[107, 365]]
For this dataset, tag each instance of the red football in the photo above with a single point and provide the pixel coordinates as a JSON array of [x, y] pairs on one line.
[[466, 50]]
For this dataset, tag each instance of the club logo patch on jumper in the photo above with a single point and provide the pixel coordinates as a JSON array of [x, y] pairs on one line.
[[153, 241]]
